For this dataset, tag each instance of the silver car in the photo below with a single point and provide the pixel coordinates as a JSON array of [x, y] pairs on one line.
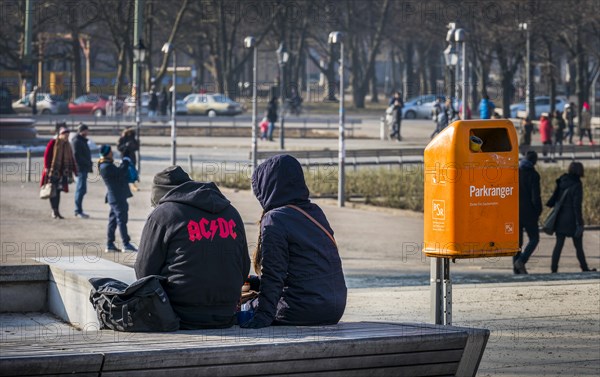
[[46, 104], [418, 107], [542, 105]]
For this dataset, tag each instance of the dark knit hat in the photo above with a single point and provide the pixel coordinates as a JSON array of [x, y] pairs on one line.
[[82, 127], [167, 180], [104, 150], [531, 156]]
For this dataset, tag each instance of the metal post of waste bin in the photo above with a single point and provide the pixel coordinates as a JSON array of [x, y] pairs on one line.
[[382, 128], [441, 292], [28, 165]]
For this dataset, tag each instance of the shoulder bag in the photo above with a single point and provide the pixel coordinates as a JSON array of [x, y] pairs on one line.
[[314, 221], [550, 221]]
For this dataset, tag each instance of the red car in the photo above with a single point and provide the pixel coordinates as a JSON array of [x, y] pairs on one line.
[[89, 104]]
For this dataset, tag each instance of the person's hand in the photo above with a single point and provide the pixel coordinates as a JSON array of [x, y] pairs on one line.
[[254, 283]]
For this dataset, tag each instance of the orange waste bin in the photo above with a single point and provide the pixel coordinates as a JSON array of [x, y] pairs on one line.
[[471, 207]]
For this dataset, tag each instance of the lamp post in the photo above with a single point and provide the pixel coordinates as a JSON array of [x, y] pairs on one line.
[[139, 57], [167, 49], [459, 37], [335, 37], [451, 57], [282, 58], [529, 103], [250, 42]]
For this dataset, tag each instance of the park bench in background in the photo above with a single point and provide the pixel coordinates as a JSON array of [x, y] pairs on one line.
[[346, 349]]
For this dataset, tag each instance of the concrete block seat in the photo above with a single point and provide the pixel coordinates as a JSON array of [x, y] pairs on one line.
[[346, 349]]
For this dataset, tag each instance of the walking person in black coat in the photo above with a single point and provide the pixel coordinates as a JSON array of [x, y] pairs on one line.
[[569, 222], [302, 282], [83, 160], [163, 102], [272, 117], [530, 209], [396, 101]]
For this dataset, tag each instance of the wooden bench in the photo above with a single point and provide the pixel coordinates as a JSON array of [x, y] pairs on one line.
[[346, 349]]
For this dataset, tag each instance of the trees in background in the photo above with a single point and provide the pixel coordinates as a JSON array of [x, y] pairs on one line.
[[408, 37]]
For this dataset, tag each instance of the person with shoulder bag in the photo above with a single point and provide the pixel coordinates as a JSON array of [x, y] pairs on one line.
[[301, 278], [569, 219]]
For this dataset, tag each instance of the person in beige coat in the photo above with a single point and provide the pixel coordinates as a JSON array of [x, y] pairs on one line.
[[586, 124]]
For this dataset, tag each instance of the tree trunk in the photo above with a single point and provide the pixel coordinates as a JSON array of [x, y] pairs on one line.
[[76, 76], [507, 92], [579, 76], [121, 72], [374, 92], [409, 81]]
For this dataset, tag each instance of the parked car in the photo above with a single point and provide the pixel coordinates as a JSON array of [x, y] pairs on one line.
[[211, 105], [542, 105], [46, 104], [418, 107], [89, 104]]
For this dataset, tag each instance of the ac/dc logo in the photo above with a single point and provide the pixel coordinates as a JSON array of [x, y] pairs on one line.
[[208, 229]]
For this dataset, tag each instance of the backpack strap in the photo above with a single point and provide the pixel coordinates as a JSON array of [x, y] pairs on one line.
[[314, 221]]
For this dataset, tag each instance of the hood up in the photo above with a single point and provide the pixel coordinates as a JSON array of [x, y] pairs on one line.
[[279, 181], [202, 195]]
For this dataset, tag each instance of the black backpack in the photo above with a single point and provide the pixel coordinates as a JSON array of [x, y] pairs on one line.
[[142, 306]]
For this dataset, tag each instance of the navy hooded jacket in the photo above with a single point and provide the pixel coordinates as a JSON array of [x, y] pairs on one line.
[[196, 239], [302, 282]]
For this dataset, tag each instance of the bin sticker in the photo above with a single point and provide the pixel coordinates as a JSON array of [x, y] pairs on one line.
[[509, 228], [439, 214]]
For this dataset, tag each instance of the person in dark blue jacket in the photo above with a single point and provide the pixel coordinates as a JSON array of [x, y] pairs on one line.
[[116, 180], [302, 282]]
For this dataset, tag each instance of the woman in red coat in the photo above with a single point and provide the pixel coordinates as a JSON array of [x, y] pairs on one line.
[[546, 137], [59, 168]]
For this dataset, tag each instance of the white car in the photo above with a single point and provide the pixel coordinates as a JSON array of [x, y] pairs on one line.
[[542, 105], [212, 105]]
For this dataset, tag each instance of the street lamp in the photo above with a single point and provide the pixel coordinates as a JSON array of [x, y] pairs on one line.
[[451, 57], [459, 37], [335, 37], [282, 58], [139, 57], [168, 48], [529, 86], [250, 42]]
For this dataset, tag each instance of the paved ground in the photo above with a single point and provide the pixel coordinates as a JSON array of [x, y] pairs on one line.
[[541, 324]]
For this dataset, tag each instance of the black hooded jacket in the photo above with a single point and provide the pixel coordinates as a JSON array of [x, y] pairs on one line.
[[569, 215], [302, 282], [196, 239], [530, 200]]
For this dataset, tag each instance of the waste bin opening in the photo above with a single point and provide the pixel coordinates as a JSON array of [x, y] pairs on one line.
[[494, 139]]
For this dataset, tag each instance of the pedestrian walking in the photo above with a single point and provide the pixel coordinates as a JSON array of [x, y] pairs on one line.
[[569, 221], [195, 238], [271, 116], [59, 168], [116, 180], [525, 139], [451, 114], [486, 107], [302, 282], [438, 114], [128, 146], [33, 100], [558, 127], [546, 138], [569, 115], [83, 160], [586, 124], [163, 101], [396, 102], [153, 104], [530, 209]]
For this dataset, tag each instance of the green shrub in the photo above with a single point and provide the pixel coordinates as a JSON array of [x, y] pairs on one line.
[[403, 187]]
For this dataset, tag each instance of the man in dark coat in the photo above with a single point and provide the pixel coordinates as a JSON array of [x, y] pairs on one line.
[[530, 209], [196, 239], [396, 101], [271, 117], [83, 160], [116, 180], [302, 282]]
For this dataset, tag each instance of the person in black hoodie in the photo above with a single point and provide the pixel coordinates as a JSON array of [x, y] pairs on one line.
[[530, 209], [196, 239], [83, 160], [302, 282], [569, 221]]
